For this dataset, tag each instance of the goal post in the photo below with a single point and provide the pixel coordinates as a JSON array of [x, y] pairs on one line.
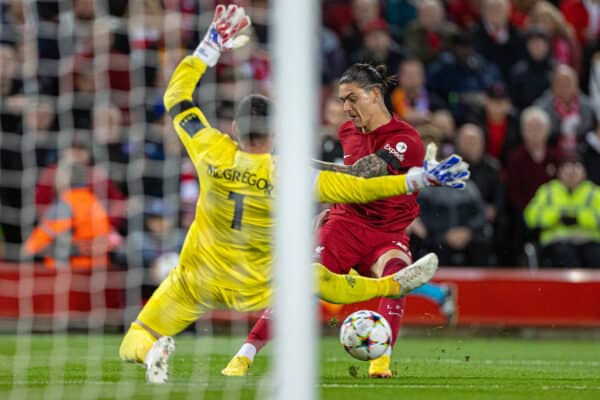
[[294, 50]]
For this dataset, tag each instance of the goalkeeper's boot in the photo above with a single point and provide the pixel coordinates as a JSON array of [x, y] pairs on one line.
[[157, 366], [416, 274], [238, 366], [380, 367]]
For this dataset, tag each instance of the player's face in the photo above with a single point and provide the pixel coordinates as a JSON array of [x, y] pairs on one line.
[[359, 104]]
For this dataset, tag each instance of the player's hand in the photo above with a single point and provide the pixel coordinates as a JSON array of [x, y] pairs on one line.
[[225, 32], [452, 172]]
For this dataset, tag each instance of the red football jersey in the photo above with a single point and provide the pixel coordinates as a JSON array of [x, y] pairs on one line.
[[400, 145]]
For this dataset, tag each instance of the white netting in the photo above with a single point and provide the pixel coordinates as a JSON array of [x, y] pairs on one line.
[[81, 104]]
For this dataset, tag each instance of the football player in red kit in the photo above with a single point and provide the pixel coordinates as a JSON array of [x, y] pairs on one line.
[[371, 237]]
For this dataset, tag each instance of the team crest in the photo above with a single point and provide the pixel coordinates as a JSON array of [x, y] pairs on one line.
[[401, 147]]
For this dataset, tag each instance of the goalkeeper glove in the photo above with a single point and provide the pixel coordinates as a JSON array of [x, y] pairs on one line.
[[451, 172], [224, 33]]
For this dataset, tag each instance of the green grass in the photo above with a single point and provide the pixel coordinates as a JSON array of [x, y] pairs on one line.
[[87, 367]]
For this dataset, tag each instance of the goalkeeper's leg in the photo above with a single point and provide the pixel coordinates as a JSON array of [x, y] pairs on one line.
[[148, 340], [341, 289]]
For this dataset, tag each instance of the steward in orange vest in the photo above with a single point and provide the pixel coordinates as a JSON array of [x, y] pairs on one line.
[[75, 231]]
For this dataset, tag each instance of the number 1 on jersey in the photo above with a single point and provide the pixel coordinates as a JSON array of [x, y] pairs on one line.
[[238, 210]]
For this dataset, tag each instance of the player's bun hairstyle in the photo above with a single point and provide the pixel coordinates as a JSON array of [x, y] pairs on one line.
[[252, 117], [368, 77]]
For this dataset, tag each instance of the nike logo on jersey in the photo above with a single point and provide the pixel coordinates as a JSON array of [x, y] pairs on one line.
[[347, 155]]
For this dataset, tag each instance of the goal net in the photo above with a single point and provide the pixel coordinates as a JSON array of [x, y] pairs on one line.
[[82, 107]]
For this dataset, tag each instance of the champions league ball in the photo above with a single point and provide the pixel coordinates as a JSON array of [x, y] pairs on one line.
[[365, 335]]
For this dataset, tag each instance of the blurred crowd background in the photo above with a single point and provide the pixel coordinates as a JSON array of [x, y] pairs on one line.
[[93, 175]]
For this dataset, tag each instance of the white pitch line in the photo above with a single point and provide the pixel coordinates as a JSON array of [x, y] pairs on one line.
[[397, 385], [463, 387], [574, 363]]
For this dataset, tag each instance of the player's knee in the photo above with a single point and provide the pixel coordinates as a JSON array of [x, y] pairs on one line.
[[136, 343], [390, 262]]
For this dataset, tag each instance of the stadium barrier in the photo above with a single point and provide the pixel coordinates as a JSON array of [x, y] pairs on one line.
[[485, 297]]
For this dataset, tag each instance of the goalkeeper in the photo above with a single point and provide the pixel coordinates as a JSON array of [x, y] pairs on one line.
[[226, 259]]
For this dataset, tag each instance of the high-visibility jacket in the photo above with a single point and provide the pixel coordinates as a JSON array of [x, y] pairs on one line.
[[553, 200], [78, 217]]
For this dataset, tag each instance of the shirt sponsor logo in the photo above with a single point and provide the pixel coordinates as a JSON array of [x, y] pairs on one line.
[[247, 177], [394, 152]]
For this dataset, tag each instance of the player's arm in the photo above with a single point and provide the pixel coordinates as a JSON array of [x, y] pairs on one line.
[[178, 96], [188, 119], [335, 187], [56, 222], [367, 167]]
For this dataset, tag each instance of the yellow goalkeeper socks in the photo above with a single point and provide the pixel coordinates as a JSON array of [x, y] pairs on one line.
[[345, 289], [136, 344]]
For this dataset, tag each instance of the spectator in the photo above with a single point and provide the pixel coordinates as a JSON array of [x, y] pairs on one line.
[[40, 121], [583, 16], [410, 99], [379, 47], [594, 84], [247, 70], [566, 210], [154, 247], [12, 104], [590, 151], [539, 161], [456, 226], [499, 122], [110, 150], [97, 181], [75, 231], [12, 101], [530, 77], [571, 113], [464, 13], [485, 173], [364, 12], [534, 156], [496, 39], [563, 44], [461, 76], [333, 58], [444, 121], [331, 148], [162, 159], [399, 13], [430, 34]]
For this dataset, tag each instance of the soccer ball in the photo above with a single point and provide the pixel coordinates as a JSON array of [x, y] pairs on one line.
[[365, 335]]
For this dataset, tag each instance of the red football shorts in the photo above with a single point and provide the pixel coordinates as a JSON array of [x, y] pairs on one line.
[[344, 244]]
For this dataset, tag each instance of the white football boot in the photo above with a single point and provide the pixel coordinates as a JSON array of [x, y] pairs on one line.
[[157, 366], [416, 274]]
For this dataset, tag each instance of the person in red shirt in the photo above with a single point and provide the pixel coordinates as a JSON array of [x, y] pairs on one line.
[[529, 165], [371, 237]]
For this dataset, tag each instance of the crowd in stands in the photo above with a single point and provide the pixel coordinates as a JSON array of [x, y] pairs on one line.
[[512, 86]]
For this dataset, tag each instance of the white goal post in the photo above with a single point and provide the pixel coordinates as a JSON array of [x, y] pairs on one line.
[[295, 51]]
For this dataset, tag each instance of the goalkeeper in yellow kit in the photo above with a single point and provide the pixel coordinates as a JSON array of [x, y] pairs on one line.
[[226, 259]]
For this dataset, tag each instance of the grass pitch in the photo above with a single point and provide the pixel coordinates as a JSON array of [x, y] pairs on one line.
[[87, 367]]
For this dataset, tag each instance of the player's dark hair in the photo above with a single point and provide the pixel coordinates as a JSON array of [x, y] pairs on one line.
[[368, 77], [252, 117]]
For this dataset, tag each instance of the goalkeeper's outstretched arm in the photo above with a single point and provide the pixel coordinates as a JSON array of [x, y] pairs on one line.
[[339, 187], [178, 97]]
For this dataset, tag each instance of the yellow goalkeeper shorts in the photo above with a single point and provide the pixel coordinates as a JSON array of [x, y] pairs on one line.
[[181, 299]]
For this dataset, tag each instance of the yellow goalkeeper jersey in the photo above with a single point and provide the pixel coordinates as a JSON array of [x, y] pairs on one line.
[[229, 242]]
